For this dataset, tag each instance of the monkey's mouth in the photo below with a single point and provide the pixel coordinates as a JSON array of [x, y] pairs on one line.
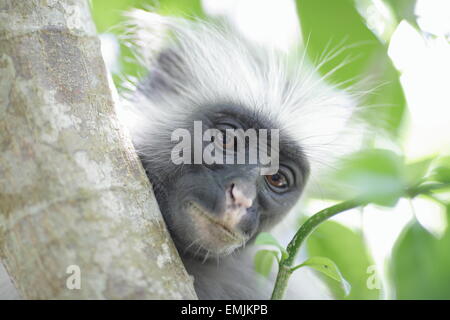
[[214, 233]]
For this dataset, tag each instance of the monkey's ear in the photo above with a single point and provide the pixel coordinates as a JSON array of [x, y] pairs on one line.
[[151, 37], [167, 74], [171, 64]]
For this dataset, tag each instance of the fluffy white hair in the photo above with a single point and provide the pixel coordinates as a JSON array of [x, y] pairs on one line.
[[217, 65]]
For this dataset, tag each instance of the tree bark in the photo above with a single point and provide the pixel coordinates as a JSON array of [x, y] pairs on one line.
[[72, 190]]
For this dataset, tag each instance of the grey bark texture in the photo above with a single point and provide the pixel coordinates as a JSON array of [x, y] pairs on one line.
[[72, 190]]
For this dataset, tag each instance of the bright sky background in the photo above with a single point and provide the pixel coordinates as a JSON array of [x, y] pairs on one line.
[[272, 22]]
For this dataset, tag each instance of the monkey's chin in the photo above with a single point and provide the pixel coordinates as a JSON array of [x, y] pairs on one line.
[[213, 235]]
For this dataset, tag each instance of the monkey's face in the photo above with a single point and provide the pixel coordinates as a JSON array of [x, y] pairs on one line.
[[213, 209]]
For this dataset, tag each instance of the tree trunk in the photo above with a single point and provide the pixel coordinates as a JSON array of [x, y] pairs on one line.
[[72, 190]]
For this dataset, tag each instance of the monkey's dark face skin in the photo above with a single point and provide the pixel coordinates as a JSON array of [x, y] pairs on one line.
[[212, 210]]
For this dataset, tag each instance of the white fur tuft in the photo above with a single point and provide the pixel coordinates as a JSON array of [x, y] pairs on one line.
[[223, 67]]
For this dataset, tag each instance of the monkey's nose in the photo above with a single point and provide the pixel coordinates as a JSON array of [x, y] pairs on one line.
[[239, 198]]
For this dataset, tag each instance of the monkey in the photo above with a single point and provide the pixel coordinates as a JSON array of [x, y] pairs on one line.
[[206, 72], [201, 71]]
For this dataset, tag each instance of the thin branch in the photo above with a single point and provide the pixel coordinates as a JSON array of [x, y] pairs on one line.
[[285, 265]]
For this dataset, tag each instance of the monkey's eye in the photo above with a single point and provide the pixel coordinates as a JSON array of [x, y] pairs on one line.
[[278, 180], [228, 139]]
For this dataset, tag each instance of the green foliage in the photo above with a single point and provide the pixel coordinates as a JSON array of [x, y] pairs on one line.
[[376, 175], [185, 8], [348, 250], [264, 261], [404, 9], [108, 16], [327, 267], [381, 176], [265, 238], [417, 171], [441, 171], [337, 24], [420, 264]]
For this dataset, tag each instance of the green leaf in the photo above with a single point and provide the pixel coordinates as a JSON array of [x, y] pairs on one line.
[[442, 174], [265, 238], [376, 175], [185, 8], [441, 171], [420, 265], [416, 171], [328, 268], [264, 261], [330, 25], [404, 10], [107, 14], [347, 248]]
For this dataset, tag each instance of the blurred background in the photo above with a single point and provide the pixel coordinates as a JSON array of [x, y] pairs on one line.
[[398, 52]]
